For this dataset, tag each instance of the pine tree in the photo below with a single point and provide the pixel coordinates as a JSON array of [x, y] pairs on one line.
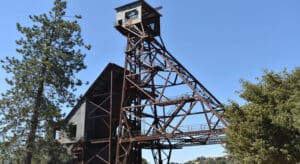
[[266, 128], [42, 82]]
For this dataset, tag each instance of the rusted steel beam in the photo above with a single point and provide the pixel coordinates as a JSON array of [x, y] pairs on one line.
[[171, 135]]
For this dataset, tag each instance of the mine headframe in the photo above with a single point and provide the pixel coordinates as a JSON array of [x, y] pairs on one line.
[[163, 106]]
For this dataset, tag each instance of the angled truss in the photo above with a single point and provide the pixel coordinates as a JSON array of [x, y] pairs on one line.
[[163, 105]]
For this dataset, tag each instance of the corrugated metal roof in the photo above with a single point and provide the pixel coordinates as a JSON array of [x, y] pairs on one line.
[[142, 2]]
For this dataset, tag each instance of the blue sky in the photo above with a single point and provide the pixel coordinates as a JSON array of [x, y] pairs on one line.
[[218, 41]]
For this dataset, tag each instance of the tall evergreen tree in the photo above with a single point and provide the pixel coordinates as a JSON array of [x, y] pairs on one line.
[[266, 128], [42, 82]]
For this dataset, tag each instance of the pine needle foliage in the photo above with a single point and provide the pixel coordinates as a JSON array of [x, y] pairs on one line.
[[42, 81]]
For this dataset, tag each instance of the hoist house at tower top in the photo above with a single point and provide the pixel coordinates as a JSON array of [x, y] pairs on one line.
[[152, 103], [142, 15]]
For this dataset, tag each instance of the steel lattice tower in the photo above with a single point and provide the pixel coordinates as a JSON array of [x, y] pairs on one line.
[[163, 106]]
